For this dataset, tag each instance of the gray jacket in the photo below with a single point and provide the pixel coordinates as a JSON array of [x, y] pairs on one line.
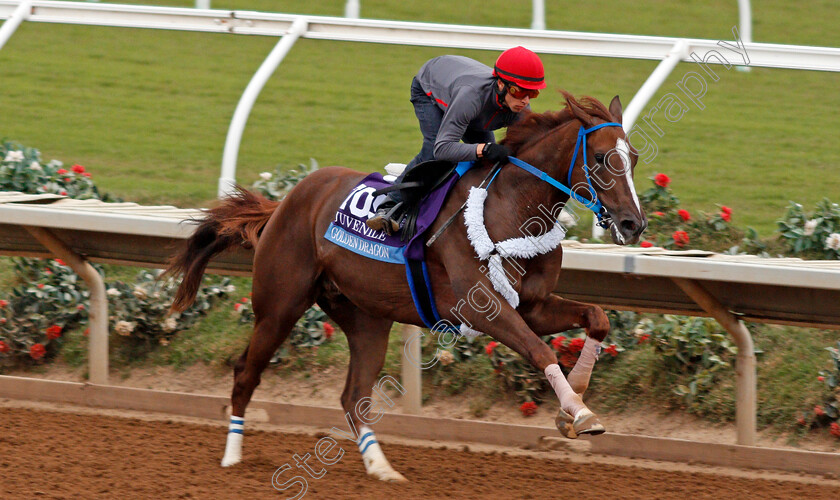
[[464, 89]]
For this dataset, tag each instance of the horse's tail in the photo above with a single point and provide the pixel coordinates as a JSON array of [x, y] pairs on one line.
[[238, 220]]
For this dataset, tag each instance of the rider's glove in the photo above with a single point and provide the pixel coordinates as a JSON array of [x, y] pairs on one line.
[[495, 152]]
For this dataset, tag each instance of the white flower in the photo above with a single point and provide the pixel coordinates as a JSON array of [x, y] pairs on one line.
[[833, 241], [638, 332], [170, 325], [810, 226], [36, 166], [113, 292], [445, 357], [163, 342], [266, 176], [140, 293], [124, 328], [14, 156], [230, 289]]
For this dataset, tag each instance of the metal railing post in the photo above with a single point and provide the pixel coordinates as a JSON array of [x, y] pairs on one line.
[[745, 397], [411, 371], [98, 313], [538, 15], [227, 180], [351, 9], [745, 26], [20, 15]]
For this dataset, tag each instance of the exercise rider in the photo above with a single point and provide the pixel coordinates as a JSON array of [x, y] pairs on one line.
[[459, 99]]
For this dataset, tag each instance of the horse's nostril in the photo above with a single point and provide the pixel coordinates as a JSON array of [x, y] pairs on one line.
[[629, 226]]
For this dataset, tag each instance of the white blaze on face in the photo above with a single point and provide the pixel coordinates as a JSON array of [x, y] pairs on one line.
[[624, 151]]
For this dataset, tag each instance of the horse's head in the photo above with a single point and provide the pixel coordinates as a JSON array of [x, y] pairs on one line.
[[584, 149], [609, 161]]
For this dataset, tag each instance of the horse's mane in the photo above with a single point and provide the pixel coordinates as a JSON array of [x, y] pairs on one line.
[[535, 125]]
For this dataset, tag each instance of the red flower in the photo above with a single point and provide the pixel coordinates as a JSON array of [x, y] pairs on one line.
[[86, 174], [80, 307], [801, 421], [821, 378], [2, 321], [680, 238], [646, 244], [4, 303], [644, 338], [63, 193], [819, 411], [662, 180], [78, 169], [726, 216], [684, 215], [53, 332], [329, 330], [244, 300], [557, 342], [4, 347], [489, 348], [61, 171], [576, 345], [612, 350], [87, 332], [726, 210], [834, 429], [60, 262], [67, 179], [37, 351], [528, 408], [568, 359], [237, 306], [659, 214], [40, 285]]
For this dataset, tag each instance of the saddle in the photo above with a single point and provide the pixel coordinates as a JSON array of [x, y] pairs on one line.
[[418, 182]]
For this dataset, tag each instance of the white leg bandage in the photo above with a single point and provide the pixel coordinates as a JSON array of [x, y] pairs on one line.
[[375, 462], [233, 448], [569, 399], [579, 376]]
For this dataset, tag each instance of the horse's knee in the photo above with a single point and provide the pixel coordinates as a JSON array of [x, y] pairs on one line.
[[598, 323]]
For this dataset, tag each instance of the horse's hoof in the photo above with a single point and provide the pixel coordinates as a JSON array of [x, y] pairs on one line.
[[390, 476], [586, 423]]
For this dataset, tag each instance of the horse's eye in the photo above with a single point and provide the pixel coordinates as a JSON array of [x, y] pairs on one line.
[[599, 157]]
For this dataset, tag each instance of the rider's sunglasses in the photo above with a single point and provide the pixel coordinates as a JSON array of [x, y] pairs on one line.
[[518, 93]]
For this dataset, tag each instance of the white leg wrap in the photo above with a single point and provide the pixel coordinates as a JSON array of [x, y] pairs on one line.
[[569, 399], [233, 448], [375, 462], [579, 376]]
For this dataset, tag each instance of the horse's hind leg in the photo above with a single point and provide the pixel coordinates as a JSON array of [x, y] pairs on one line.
[[276, 312], [367, 337]]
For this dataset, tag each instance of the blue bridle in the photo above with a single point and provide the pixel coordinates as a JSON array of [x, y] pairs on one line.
[[594, 204]]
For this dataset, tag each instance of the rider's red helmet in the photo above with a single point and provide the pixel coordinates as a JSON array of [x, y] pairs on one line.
[[521, 67]]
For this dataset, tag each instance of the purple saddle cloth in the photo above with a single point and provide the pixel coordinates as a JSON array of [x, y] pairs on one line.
[[348, 228]]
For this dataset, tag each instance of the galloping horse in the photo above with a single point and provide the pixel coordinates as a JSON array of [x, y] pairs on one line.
[[295, 266]]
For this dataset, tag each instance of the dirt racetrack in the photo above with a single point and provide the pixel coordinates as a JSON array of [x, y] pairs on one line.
[[50, 454]]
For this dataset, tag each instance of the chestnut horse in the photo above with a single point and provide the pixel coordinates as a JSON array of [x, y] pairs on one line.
[[295, 266]]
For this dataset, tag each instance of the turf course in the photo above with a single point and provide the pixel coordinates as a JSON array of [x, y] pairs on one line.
[[147, 111]]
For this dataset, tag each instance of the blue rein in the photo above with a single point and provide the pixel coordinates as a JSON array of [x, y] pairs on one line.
[[594, 204]]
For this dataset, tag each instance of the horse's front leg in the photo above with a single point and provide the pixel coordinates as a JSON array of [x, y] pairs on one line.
[[505, 324], [555, 314]]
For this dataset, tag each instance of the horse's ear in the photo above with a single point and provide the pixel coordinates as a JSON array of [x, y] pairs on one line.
[[615, 108], [580, 114]]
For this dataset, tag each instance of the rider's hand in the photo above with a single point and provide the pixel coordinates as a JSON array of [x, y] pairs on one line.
[[496, 152]]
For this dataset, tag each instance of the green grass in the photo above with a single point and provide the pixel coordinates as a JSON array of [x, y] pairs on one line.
[[147, 111]]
